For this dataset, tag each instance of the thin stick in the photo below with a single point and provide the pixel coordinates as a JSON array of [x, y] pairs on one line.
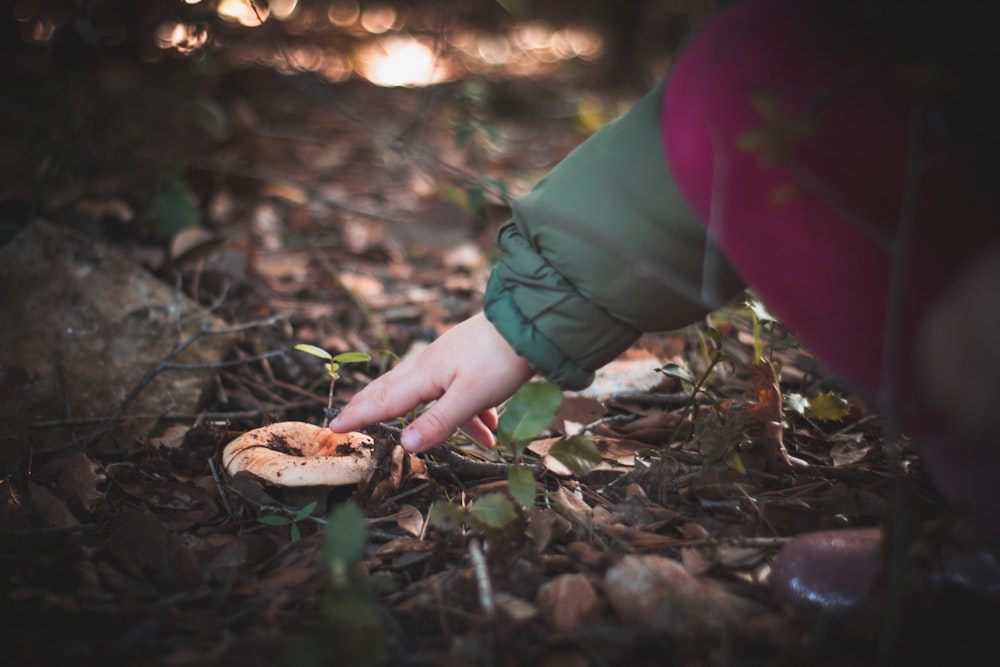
[[899, 252], [483, 585], [204, 330]]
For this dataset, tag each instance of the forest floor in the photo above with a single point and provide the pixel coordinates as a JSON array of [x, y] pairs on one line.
[[348, 216]]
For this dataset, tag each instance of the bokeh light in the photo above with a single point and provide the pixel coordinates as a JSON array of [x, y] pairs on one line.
[[343, 13], [378, 19], [377, 42], [400, 60]]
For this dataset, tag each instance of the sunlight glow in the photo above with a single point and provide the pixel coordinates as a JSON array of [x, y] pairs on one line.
[[282, 9], [183, 37], [390, 55], [401, 61], [243, 12]]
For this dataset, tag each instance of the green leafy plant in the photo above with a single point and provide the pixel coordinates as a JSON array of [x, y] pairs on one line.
[[475, 134], [760, 319], [828, 406], [529, 412], [355, 633], [699, 385], [293, 521], [332, 366]]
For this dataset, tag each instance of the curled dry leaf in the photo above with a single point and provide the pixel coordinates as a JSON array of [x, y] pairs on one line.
[[301, 454]]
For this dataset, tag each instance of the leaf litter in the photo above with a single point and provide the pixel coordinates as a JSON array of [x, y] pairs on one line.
[[131, 544]]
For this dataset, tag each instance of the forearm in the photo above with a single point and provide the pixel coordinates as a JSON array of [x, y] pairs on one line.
[[602, 250]]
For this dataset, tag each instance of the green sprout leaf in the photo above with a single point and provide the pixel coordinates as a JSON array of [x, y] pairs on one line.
[[176, 209], [305, 511], [522, 485], [827, 407], [796, 403], [445, 515], [274, 520], [345, 535], [677, 371], [579, 454], [758, 309], [735, 462], [313, 350], [352, 357], [494, 510], [527, 414]]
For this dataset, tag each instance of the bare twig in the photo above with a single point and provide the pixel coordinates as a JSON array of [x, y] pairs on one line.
[[483, 584], [219, 486], [899, 252], [165, 363]]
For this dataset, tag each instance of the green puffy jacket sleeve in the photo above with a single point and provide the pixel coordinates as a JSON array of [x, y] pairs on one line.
[[603, 249]]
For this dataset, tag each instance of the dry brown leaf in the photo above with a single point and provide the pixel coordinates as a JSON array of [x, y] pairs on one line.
[[577, 410], [570, 600], [51, 507], [544, 525], [763, 414], [653, 429], [640, 539], [739, 557], [410, 519], [517, 610], [695, 561], [79, 480], [657, 592]]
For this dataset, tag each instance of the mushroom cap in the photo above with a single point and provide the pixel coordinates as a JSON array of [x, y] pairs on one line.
[[301, 454]]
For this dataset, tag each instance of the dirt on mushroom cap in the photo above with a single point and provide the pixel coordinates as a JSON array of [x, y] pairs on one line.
[[300, 454]]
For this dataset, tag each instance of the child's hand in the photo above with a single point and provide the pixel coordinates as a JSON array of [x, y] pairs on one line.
[[468, 371]]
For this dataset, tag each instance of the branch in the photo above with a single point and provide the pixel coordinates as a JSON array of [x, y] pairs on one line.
[[165, 363]]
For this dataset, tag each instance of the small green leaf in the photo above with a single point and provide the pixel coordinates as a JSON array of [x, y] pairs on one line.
[[176, 209], [828, 407], [677, 371], [305, 511], [758, 309], [522, 485], [274, 520], [296, 534], [313, 350], [579, 454], [527, 414], [346, 534], [494, 510], [735, 462], [445, 515], [796, 403], [352, 357], [208, 116]]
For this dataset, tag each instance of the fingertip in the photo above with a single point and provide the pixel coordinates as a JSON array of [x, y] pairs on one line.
[[412, 440], [490, 419]]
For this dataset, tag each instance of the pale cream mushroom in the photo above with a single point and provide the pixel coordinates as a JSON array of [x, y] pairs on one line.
[[298, 454]]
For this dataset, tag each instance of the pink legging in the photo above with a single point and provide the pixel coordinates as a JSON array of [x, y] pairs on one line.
[[818, 173]]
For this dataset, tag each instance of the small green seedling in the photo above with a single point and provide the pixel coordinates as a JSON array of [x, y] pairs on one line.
[[332, 366], [293, 521]]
